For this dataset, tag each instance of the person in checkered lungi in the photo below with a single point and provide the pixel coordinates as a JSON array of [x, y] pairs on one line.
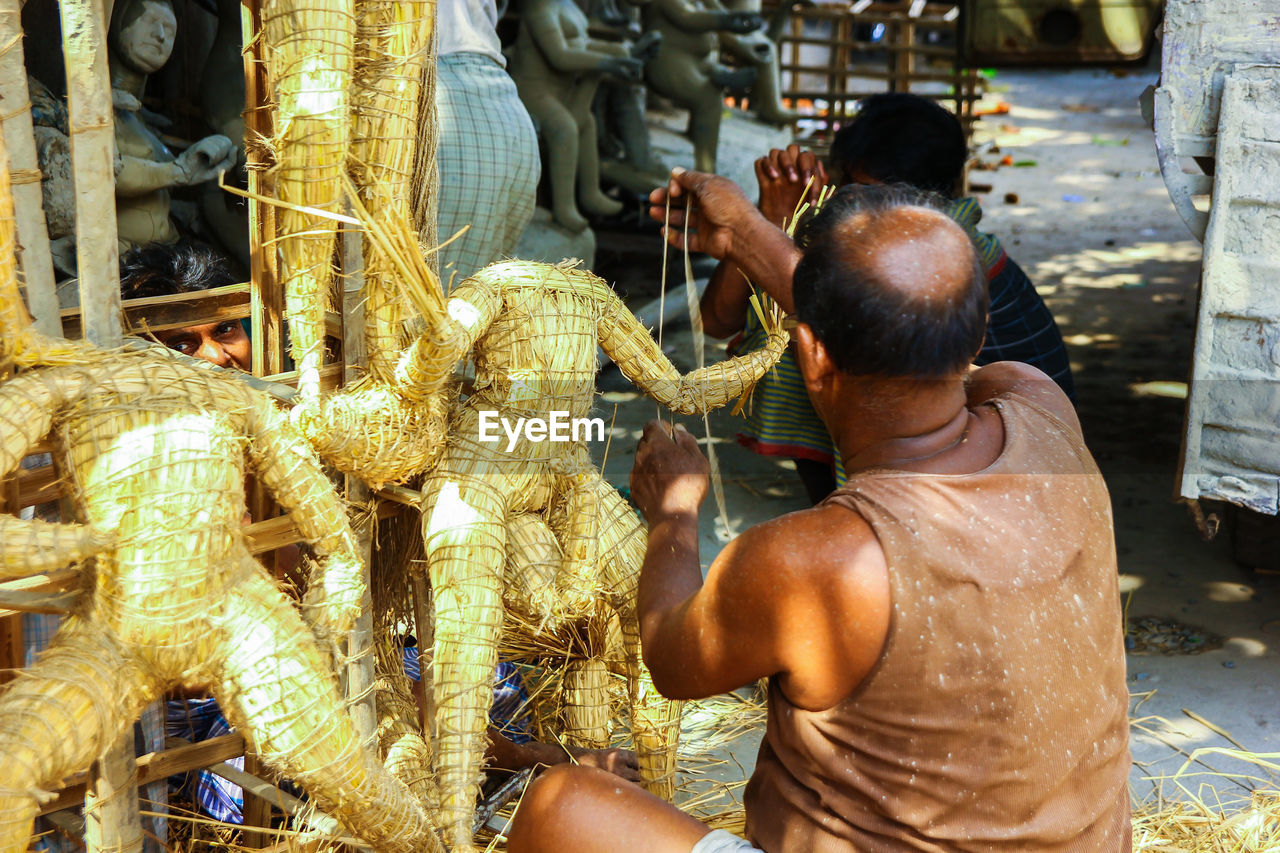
[[894, 138], [488, 149]]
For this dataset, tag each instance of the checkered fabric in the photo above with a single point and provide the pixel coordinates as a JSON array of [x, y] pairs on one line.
[[509, 713], [197, 720], [488, 162], [781, 420]]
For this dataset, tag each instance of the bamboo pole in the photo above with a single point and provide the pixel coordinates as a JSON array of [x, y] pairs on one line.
[[15, 113], [359, 671], [112, 822], [92, 124]]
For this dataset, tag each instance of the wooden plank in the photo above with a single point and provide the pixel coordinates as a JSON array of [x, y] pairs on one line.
[[12, 649], [867, 47], [24, 175], [176, 311], [33, 486], [54, 592], [267, 298], [92, 126], [330, 377], [179, 756], [280, 531]]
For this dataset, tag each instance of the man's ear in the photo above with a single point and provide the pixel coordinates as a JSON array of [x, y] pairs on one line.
[[815, 362]]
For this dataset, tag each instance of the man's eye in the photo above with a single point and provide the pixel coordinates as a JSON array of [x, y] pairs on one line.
[[226, 328], [180, 346]]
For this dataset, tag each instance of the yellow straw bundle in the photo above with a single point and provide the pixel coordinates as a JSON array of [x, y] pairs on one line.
[[308, 49], [392, 41]]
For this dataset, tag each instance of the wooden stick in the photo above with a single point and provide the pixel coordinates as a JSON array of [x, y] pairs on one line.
[[15, 110], [178, 756], [359, 670], [112, 822], [92, 124]]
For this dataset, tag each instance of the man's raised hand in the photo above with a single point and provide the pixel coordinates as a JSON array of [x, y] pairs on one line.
[[787, 178], [670, 472], [719, 214]]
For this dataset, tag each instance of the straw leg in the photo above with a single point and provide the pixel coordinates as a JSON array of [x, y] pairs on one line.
[[534, 558], [465, 538], [655, 720], [278, 691], [405, 750], [578, 579], [291, 472], [586, 703], [59, 716]]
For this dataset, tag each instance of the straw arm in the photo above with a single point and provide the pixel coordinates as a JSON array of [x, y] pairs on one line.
[[428, 363], [29, 547], [286, 466], [639, 358]]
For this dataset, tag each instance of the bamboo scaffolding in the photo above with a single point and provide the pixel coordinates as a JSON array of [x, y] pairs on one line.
[[15, 114]]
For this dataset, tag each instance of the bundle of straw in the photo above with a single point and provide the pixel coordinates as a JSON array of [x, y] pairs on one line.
[[392, 46], [308, 50], [157, 454]]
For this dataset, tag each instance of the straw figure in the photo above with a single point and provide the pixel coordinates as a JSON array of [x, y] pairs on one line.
[[309, 50], [155, 452], [533, 329]]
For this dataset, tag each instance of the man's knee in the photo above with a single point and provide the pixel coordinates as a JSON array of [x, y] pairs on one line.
[[554, 793]]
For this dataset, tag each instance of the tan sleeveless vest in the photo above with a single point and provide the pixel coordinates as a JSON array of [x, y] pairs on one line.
[[996, 717]]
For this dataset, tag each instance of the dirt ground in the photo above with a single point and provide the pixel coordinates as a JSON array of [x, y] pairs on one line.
[[1088, 217]]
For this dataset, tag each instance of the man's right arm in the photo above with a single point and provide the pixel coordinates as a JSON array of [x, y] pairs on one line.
[[723, 223]]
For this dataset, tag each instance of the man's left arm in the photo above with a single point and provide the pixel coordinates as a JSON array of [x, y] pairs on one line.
[[803, 597]]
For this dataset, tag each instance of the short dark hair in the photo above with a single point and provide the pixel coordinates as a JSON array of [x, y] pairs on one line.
[[902, 138], [869, 326], [162, 270]]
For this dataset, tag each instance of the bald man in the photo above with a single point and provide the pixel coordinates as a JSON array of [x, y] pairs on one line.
[[942, 635]]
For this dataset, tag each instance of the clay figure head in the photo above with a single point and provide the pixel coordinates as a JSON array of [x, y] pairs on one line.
[[160, 270], [142, 34]]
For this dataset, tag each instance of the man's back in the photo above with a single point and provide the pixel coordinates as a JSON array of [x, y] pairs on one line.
[[995, 718]]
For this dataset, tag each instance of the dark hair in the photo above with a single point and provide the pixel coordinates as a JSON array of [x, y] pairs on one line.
[[160, 270], [902, 138], [870, 325]]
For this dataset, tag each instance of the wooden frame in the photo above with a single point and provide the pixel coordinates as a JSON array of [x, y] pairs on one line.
[[846, 63]]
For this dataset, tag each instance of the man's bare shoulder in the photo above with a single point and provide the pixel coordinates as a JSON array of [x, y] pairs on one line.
[[1003, 377], [809, 548], [819, 579]]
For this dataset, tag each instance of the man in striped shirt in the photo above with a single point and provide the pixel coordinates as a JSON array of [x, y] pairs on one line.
[[894, 139]]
